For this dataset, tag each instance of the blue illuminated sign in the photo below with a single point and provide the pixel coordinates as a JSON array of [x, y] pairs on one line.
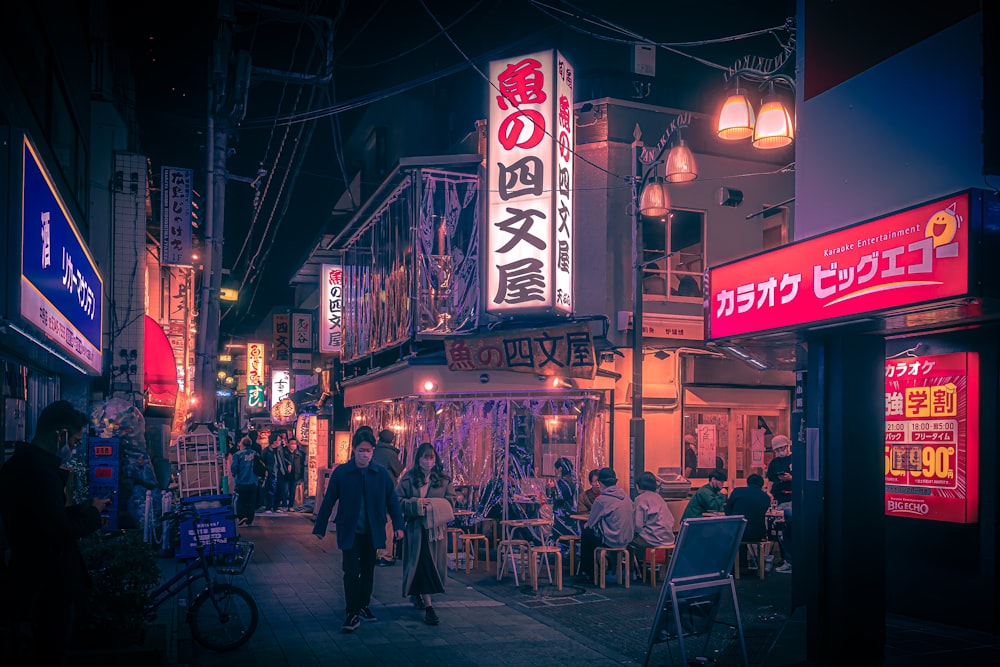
[[62, 290]]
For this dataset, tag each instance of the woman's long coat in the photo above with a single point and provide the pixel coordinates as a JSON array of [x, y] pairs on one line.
[[409, 500]]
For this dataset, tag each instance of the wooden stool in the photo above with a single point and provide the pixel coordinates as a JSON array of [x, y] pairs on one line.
[[655, 556], [543, 552], [491, 524], [505, 552], [571, 541], [761, 549], [471, 541], [453, 534], [601, 558]]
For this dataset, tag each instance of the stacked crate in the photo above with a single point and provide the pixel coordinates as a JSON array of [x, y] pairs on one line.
[[103, 466]]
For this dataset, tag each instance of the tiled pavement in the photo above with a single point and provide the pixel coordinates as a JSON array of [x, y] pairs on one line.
[[296, 579]]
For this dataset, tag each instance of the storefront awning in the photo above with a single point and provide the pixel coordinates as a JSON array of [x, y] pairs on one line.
[[159, 366]]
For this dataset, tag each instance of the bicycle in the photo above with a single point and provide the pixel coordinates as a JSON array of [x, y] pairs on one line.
[[222, 617]]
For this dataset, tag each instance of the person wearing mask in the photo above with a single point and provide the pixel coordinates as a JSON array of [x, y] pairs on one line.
[[274, 461], [562, 494], [611, 522], [779, 474], [752, 503], [654, 522], [709, 498], [365, 494], [428, 501], [244, 468], [294, 477], [588, 497], [48, 577], [387, 456]]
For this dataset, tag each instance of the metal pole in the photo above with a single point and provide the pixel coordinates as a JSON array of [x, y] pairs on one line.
[[637, 426]]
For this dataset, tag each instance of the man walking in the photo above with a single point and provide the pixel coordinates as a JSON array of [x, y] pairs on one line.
[[274, 461], [387, 456], [365, 492]]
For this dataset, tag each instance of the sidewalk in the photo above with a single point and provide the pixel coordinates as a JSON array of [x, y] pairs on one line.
[[296, 579]]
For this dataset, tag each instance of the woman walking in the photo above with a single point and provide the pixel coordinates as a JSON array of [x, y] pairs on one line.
[[428, 500]]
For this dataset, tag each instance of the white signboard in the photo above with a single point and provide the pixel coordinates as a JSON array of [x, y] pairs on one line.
[[281, 385], [175, 216], [331, 301], [530, 232]]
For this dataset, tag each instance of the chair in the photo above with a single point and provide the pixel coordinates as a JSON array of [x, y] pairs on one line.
[[453, 534], [654, 557], [506, 552], [484, 523], [471, 542], [601, 555], [537, 553], [571, 542], [758, 549]]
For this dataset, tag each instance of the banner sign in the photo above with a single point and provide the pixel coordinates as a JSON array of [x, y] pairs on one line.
[[932, 437], [62, 291], [281, 385], [331, 294], [281, 340], [175, 216], [529, 256], [563, 350], [910, 257]]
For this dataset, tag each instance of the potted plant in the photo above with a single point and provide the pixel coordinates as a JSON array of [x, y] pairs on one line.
[[123, 569]]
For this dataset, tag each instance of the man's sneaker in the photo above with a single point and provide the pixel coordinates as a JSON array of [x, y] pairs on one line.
[[351, 623], [431, 617], [784, 568], [366, 615]]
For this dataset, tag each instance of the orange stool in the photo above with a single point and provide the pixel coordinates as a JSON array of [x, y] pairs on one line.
[[471, 542], [571, 541], [622, 557], [536, 553], [654, 557], [761, 550], [453, 534]]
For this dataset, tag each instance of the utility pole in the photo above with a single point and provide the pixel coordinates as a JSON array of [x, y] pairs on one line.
[[215, 209]]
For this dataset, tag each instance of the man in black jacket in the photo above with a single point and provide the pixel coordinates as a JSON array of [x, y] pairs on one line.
[[752, 503], [47, 572], [387, 456]]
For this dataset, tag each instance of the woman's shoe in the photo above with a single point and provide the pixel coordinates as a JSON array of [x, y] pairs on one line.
[[431, 617], [417, 601]]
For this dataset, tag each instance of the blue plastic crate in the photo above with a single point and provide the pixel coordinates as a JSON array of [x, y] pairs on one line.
[[109, 517], [103, 475], [101, 451], [216, 529]]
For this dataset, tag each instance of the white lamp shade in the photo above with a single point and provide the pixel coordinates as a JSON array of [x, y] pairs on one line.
[[680, 164], [774, 127], [736, 120], [653, 201]]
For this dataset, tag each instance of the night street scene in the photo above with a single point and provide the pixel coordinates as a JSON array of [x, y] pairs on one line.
[[499, 332]]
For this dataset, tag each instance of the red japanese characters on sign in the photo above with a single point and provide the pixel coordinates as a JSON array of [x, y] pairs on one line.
[[910, 257], [529, 257], [932, 437], [331, 292]]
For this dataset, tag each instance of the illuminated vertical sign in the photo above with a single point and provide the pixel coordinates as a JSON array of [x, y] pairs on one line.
[[331, 291], [932, 437], [281, 339], [281, 383], [175, 216], [62, 291], [255, 375], [529, 256]]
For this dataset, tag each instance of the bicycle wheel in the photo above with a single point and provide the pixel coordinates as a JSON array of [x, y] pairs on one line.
[[225, 623]]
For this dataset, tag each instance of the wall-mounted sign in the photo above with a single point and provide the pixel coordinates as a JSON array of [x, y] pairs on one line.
[[175, 216], [281, 385], [932, 437], [255, 375], [529, 257], [911, 257], [564, 350], [301, 331], [62, 291], [331, 292], [281, 341]]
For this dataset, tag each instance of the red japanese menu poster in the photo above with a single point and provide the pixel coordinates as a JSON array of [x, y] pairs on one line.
[[932, 437]]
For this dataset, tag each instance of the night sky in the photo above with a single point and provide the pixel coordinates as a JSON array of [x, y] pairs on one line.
[[390, 52]]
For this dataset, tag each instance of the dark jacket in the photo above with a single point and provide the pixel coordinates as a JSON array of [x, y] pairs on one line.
[[274, 460], [42, 531], [780, 491], [752, 503], [345, 485], [387, 456], [297, 460]]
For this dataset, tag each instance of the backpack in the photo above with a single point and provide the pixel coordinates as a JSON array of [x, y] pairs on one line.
[[259, 468]]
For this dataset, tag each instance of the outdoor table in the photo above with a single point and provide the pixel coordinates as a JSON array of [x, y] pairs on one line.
[[580, 517], [509, 526]]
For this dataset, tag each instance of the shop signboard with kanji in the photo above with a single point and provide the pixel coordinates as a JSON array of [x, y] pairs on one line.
[[932, 437], [255, 375], [528, 261], [565, 350], [175, 216], [914, 256], [331, 294]]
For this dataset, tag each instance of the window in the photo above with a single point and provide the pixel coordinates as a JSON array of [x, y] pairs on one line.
[[775, 227], [679, 276]]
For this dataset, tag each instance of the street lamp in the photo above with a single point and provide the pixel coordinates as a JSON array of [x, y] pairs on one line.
[[650, 199]]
